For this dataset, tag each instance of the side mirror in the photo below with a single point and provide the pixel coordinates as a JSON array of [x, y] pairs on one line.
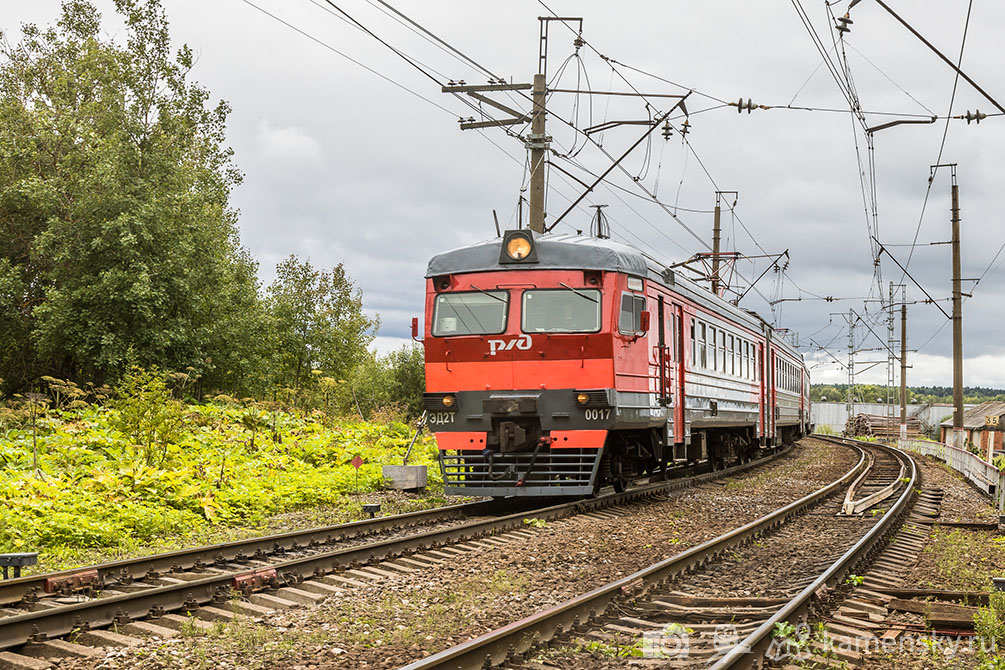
[[415, 328], [644, 322]]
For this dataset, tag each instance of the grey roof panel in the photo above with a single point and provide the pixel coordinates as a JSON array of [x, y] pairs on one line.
[[557, 252], [974, 417]]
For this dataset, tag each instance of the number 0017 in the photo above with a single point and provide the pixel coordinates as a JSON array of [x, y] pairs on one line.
[[598, 414]]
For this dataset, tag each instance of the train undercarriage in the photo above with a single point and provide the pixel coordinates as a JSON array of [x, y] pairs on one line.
[[538, 468]]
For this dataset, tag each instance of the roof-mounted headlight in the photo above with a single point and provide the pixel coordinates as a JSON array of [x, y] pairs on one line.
[[518, 247]]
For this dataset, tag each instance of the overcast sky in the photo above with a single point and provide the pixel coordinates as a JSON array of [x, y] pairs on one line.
[[342, 165]]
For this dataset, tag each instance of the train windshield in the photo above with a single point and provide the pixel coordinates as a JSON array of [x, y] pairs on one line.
[[561, 311], [474, 313]]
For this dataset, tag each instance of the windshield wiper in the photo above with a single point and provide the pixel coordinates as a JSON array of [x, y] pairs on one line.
[[481, 290], [581, 295]]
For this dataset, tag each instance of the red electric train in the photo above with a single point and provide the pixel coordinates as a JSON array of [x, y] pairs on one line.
[[557, 364]]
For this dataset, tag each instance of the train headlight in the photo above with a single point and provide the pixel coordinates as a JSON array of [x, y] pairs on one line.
[[449, 401], [518, 248], [582, 398]]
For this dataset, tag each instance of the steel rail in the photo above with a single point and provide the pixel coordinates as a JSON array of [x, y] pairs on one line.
[[522, 636], [850, 495], [749, 653], [152, 601], [13, 590], [852, 506]]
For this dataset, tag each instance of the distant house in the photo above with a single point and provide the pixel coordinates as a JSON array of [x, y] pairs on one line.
[[984, 425]]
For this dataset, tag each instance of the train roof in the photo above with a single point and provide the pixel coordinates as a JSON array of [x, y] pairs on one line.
[[574, 252]]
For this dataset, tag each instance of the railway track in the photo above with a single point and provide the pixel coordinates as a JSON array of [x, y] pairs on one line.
[[723, 603], [154, 595]]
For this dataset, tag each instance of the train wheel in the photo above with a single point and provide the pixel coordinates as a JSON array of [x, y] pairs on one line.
[[618, 479]]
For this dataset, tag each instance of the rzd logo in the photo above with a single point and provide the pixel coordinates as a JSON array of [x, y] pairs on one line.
[[522, 343]]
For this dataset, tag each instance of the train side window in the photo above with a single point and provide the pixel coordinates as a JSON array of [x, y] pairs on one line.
[[702, 354], [694, 347], [722, 350], [630, 318], [671, 341], [733, 356], [712, 353], [675, 338], [626, 320]]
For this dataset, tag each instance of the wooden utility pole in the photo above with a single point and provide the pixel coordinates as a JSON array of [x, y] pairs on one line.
[[851, 363], [715, 246], [958, 433], [903, 371], [717, 236], [538, 142]]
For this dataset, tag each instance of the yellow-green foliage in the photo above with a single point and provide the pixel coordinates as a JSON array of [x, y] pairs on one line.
[[98, 487]]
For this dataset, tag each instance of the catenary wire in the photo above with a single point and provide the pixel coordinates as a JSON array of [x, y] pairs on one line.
[[942, 144]]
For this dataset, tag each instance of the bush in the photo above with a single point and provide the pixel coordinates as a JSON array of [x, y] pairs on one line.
[[98, 486]]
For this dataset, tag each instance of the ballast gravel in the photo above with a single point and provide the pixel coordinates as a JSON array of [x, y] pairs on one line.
[[389, 624]]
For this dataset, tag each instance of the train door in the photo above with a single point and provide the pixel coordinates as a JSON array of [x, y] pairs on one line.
[[772, 382], [802, 401], [664, 354], [677, 370], [765, 393]]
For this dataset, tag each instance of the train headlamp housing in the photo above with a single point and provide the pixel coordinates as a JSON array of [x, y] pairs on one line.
[[518, 247], [449, 401], [582, 398]]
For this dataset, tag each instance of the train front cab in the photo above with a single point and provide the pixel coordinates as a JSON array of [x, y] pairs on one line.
[[520, 376]]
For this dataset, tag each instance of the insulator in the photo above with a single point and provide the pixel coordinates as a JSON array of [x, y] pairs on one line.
[[578, 42], [667, 130], [975, 116], [843, 24], [685, 127]]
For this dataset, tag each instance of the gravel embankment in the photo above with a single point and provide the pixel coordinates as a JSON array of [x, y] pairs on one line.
[[953, 559], [388, 625]]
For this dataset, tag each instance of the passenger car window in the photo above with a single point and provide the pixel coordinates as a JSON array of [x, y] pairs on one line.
[[470, 313], [561, 311]]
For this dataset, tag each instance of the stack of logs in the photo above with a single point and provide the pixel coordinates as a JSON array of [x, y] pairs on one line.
[[875, 425]]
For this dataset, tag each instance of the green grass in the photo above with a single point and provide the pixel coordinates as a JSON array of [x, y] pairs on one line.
[[97, 494], [966, 560]]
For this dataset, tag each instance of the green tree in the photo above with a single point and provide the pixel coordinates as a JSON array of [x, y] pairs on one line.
[[147, 413], [406, 376], [117, 243], [317, 323]]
